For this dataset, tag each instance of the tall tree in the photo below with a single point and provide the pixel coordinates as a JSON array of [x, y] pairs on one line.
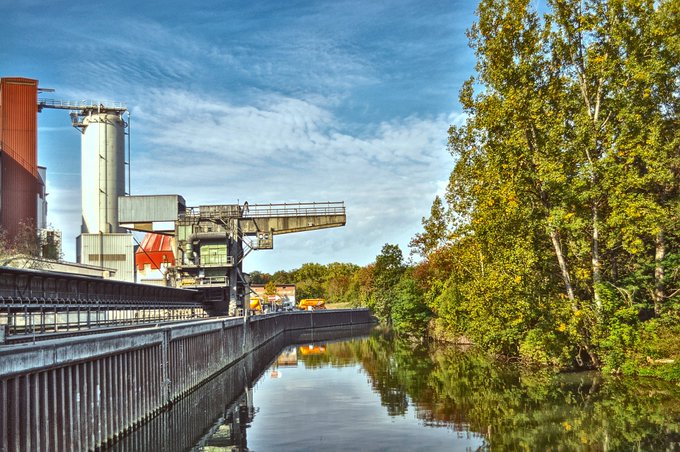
[[570, 144], [434, 233], [389, 266]]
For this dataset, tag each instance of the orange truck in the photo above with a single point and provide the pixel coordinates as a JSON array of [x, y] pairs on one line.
[[312, 304]]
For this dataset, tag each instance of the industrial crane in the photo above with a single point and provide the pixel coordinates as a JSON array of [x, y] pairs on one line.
[[211, 241]]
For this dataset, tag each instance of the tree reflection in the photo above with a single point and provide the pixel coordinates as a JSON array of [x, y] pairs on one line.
[[514, 407]]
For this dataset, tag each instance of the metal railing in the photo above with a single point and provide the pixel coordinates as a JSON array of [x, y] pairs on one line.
[[33, 302], [216, 261], [301, 209], [54, 319], [81, 105]]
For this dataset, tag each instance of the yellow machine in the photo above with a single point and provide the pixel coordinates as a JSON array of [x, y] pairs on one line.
[[255, 304], [312, 304]]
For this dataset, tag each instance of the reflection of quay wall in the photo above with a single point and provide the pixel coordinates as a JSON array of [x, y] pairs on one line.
[[85, 392], [213, 414]]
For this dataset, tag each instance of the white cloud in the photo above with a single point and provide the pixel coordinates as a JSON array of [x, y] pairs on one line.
[[277, 137], [280, 149]]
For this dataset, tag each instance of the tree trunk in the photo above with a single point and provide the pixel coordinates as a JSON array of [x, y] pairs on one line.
[[659, 255], [597, 276], [563, 265]]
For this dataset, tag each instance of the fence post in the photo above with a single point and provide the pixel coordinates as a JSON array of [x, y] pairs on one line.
[[165, 367]]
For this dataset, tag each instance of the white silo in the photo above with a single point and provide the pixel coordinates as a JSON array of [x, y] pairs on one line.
[[102, 171], [102, 242]]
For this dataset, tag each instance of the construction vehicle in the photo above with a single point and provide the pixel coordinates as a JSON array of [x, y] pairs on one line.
[[312, 304], [255, 304]]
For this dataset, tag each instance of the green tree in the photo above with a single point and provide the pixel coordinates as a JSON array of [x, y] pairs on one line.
[[389, 266], [257, 277], [309, 281], [434, 233], [360, 291], [565, 189], [282, 277], [337, 281], [270, 288], [410, 314]]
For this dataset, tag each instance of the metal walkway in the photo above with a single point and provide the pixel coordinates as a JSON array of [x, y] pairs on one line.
[[34, 302]]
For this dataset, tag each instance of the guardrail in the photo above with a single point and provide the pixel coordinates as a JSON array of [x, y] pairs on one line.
[[34, 302], [302, 209], [81, 105]]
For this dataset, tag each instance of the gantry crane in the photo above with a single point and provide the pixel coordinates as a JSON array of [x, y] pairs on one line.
[[211, 241]]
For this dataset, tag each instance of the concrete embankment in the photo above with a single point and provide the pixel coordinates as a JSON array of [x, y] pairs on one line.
[[83, 393]]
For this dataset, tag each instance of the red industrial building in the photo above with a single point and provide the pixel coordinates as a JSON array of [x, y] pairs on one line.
[[21, 186]]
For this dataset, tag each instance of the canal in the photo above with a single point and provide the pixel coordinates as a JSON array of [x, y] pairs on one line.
[[362, 389]]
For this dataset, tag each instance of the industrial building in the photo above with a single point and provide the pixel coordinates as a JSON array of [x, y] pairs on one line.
[[192, 247], [153, 259], [23, 204], [22, 181], [211, 241], [102, 241]]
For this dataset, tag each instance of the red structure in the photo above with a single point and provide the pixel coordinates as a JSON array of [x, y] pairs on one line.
[[19, 180], [155, 250]]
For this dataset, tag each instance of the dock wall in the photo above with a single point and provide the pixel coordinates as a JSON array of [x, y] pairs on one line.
[[83, 393]]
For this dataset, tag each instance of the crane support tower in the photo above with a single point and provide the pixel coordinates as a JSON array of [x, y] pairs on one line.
[[102, 241], [211, 241]]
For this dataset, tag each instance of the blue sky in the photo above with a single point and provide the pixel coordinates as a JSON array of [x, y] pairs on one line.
[[267, 101]]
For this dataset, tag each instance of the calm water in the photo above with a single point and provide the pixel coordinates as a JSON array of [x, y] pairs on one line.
[[376, 393]]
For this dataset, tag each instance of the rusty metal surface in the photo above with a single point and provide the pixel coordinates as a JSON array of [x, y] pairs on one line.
[[19, 152], [19, 192], [19, 119]]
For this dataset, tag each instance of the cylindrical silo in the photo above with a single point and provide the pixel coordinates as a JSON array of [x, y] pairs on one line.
[[102, 171]]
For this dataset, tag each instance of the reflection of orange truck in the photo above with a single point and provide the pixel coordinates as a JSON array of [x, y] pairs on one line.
[[311, 349], [312, 304]]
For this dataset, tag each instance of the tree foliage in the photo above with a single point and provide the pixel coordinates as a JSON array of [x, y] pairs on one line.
[[24, 247], [389, 267], [564, 194]]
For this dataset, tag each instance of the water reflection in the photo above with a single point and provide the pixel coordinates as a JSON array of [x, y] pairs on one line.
[[378, 393], [216, 416], [518, 408]]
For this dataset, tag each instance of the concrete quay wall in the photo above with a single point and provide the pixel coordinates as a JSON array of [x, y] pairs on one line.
[[83, 393]]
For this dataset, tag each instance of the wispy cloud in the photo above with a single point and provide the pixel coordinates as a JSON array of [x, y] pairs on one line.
[[281, 149], [343, 100]]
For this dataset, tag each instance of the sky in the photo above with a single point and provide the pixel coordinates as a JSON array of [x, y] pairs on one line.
[[257, 101]]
